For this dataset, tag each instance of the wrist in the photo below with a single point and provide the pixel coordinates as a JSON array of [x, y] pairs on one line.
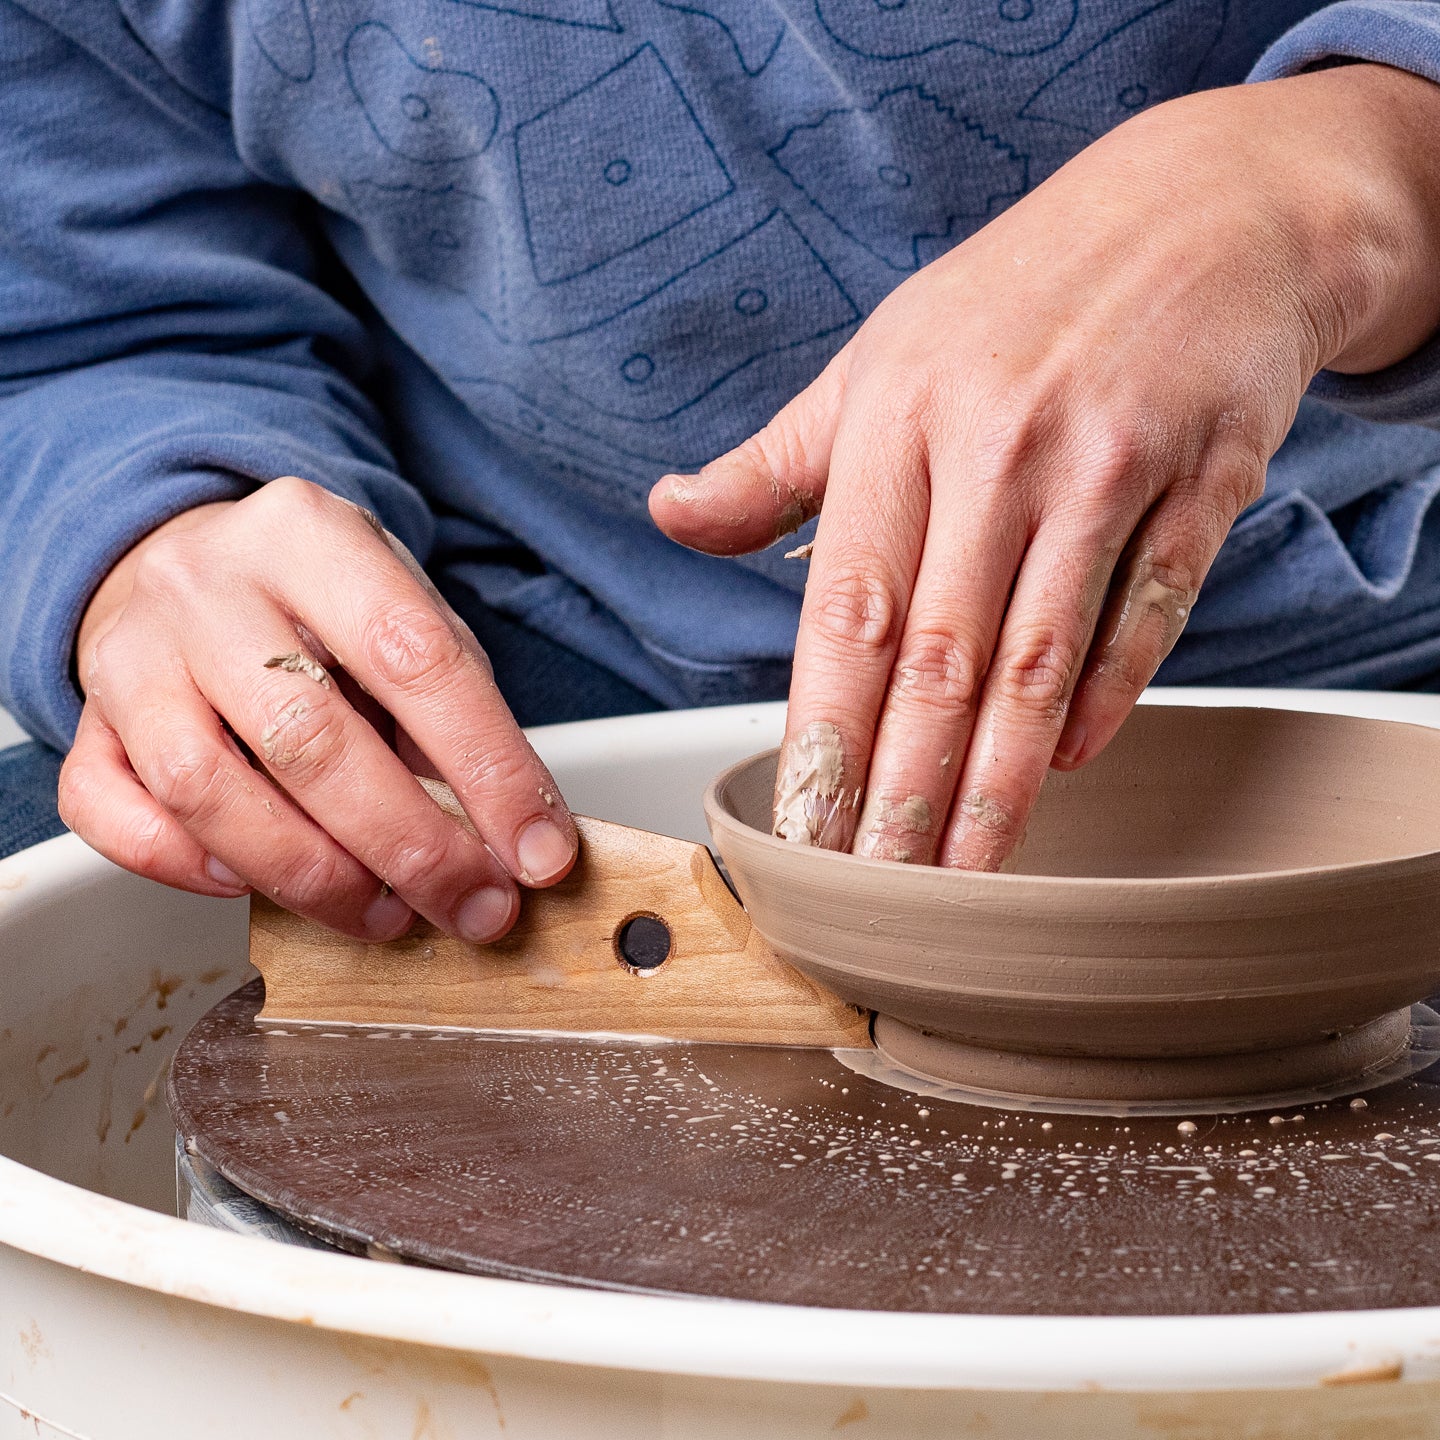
[[1371, 202], [113, 591]]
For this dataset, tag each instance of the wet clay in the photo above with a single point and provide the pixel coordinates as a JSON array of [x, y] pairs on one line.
[[809, 802], [776, 1174], [1220, 882], [294, 663], [1151, 614], [1176, 1080]]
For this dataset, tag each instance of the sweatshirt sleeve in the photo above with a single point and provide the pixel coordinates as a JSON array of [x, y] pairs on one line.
[[1405, 34], [165, 338]]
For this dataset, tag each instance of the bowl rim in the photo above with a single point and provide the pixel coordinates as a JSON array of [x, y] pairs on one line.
[[718, 816]]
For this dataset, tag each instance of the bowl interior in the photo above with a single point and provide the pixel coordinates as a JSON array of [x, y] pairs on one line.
[[1191, 790]]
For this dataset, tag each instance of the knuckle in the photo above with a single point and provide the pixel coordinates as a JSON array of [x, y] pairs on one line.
[[289, 494], [1122, 668], [167, 566], [1239, 487], [142, 846], [1114, 460], [192, 781], [856, 610], [1014, 428], [313, 881], [996, 817], [1119, 448], [904, 405], [1170, 574], [416, 866], [497, 770], [941, 670], [412, 649], [1035, 675], [900, 828], [304, 736]]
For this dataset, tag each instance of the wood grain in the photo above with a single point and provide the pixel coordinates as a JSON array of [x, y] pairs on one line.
[[560, 970]]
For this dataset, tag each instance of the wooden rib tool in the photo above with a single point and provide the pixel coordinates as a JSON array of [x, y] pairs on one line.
[[643, 938]]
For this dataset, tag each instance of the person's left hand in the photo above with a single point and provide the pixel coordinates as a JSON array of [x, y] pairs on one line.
[[1029, 455]]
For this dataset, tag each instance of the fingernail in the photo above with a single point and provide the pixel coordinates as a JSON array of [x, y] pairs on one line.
[[222, 874], [544, 851], [387, 917], [484, 914], [1072, 743]]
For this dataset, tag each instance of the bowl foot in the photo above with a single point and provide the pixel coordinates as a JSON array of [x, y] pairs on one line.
[[1182, 1082]]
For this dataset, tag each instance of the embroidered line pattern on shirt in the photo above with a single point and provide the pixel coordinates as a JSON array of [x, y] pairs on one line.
[[1148, 59], [618, 163], [751, 26], [768, 290], [878, 182], [577, 14], [426, 113], [446, 236], [910, 28], [285, 36]]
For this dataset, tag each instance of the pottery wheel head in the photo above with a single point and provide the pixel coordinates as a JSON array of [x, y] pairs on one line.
[[1223, 897]]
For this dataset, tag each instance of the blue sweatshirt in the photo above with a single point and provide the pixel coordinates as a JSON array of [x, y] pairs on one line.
[[492, 268]]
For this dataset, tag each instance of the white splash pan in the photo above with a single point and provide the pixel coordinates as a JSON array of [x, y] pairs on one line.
[[118, 1321]]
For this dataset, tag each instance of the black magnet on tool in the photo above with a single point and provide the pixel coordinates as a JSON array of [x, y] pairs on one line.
[[643, 942]]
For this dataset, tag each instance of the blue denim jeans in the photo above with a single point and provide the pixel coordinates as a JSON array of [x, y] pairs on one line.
[[543, 682], [27, 796]]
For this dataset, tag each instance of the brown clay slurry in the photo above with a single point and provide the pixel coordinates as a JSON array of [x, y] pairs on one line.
[[774, 1174]]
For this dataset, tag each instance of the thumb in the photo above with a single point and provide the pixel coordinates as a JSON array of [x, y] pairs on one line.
[[766, 487]]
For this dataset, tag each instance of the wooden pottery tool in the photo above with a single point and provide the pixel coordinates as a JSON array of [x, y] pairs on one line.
[[642, 938], [650, 1087]]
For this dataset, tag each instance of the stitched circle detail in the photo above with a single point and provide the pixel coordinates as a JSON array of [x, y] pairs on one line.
[[637, 369]]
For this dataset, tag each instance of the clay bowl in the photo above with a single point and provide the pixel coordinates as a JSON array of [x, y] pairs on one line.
[[1226, 902]]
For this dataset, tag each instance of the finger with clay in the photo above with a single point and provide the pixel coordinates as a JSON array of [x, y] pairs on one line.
[[250, 669]]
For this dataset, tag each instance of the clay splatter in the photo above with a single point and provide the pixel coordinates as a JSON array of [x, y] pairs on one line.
[[297, 664]]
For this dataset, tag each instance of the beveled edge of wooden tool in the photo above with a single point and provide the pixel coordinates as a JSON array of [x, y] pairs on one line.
[[561, 970]]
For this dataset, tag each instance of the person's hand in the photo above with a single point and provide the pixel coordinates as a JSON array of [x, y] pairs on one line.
[[246, 668], [1030, 453]]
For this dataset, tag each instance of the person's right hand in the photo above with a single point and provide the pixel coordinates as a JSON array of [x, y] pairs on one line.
[[291, 623]]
